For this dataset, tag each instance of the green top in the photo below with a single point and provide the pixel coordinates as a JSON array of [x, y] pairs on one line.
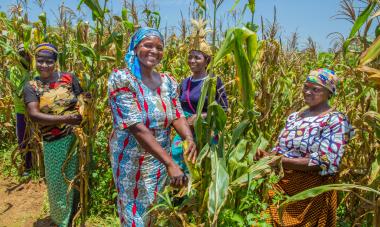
[[18, 76]]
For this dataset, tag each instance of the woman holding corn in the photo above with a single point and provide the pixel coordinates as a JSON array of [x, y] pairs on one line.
[[311, 145], [144, 106], [51, 101]]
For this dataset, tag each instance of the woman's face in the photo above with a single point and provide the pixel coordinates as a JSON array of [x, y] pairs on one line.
[[197, 61], [315, 94], [45, 65], [150, 51]]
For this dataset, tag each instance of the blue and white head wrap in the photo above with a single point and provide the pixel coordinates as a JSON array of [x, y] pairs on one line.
[[131, 57]]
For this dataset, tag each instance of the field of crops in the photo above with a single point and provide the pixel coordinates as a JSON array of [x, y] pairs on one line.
[[263, 78]]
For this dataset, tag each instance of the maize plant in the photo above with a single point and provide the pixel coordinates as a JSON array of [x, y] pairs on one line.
[[263, 78]]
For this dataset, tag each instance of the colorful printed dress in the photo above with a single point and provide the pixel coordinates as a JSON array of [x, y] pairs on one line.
[[137, 174], [323, 139], [57, 97]]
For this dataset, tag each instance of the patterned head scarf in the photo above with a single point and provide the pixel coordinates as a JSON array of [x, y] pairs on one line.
[[131, 57], [324, 77], [48, 49]]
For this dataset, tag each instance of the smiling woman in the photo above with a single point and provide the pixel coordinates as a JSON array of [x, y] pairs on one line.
[[150, 51], [51, 101], [144, 106], [312, 145], [199, 57]]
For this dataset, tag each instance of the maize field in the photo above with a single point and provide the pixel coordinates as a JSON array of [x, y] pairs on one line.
[[263, 77]]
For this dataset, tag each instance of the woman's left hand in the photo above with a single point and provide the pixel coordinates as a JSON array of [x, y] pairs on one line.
[[191, 152]]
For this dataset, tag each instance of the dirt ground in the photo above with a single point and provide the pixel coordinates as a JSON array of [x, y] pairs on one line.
[[21, 204]]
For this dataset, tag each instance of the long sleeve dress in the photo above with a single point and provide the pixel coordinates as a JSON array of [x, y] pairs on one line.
[[138, 175]]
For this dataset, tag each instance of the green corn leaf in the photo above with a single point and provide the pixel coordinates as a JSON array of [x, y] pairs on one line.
[[8, 50], [124, 14], [325, 188], [238, 152], [258, 170], [88, 54], [117, 39], [27, 34], [218, 190], [251, 5], [218, 115], [211, 97], [128, 25], [239, 130], [261, 143], [226, 47], [201, 3], [42, 18], [235, 42], [198, 124], [359, 23], [371, 53], [236, 155], [94, 6], [252, 47], [202, 154], [375, 170], [234, 5]]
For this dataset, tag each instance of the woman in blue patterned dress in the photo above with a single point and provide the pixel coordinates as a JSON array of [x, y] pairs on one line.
[[144, 105], [312, 145]]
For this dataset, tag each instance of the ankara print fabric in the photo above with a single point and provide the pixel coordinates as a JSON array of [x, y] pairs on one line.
[[57, 97], [322, 138], [137, 174]]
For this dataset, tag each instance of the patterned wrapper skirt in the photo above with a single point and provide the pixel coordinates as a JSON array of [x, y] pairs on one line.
[[318, 211], [138, 176], [55, 154]]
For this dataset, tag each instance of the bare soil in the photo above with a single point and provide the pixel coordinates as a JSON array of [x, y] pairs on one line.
[[21, 204]]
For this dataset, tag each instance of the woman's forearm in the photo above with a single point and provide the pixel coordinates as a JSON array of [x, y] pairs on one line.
[[47, 119], [301, 164], [149, 143], [182, 128]]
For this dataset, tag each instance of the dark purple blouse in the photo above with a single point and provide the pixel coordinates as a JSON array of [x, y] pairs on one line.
[[195, 88]]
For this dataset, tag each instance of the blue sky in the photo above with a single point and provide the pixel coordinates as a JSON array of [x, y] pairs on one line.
[[307, 17]]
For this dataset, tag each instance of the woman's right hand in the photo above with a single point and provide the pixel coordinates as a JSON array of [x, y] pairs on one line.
[[73, 119], [177, 178], [260, 153]]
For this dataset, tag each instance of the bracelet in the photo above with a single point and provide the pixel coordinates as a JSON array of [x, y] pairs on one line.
[[189, 137]]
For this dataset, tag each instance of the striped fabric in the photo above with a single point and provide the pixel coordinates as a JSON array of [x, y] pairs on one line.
[[319, 211]]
